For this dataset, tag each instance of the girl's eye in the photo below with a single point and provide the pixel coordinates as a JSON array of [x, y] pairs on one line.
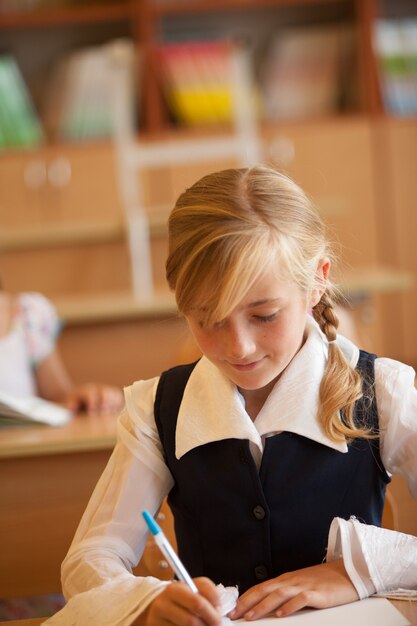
[[266, 318]]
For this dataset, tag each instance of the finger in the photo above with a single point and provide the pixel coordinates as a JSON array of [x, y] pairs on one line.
[[178, 605], [179, 615], [299, 601], [270, 603], [249, 599], [72, 403], [208, 589], [196, 603], [112, 399], [166, 612], [91, 398]]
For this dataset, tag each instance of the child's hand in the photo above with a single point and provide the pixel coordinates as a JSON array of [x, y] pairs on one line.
[[320, 586], [95, 399], [178, 605]]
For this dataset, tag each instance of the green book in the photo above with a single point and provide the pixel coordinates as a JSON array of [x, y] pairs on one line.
[[20, 126]]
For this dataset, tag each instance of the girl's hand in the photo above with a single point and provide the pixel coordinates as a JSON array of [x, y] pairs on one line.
[[320, 586], [95, 399], [178, 605]]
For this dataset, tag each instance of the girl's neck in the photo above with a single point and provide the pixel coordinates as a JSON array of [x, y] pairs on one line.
[[256, 398]]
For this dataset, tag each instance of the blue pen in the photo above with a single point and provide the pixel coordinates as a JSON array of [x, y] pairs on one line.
[[168, 552]]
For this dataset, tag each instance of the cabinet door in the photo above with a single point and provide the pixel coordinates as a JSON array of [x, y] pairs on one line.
[[83, 185], [397, 158], [52, 189], [23, 190], [332, 162]]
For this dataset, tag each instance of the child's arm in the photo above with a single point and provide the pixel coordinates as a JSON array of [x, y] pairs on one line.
[[320, 586], [55, 384]]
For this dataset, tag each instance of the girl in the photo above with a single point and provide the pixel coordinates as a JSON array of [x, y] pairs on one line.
[[283, 430], [30, 363]]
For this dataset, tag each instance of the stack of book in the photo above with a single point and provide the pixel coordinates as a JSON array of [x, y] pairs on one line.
[[395, 43], [301, 72], [19, 123], [80, 100], [196, 78]]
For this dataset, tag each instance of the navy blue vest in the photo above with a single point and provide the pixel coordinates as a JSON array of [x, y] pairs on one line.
[[238, 525]]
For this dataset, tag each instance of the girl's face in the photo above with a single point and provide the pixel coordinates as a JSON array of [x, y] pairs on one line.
[[256, 342]]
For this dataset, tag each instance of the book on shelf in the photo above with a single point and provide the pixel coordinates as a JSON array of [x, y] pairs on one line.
[[79, 102], [301, 72], [395, 44], [196, 78], [31, 411], [19, 123]]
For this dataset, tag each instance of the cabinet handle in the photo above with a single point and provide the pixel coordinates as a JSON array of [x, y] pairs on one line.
[[282, 150], [59, 172], [34, 174]]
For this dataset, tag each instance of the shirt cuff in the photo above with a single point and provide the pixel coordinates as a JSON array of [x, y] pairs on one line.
[[343, 544], [375, 559], [118, 601]]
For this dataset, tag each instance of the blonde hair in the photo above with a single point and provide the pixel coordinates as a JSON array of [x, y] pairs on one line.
[[231, 226]]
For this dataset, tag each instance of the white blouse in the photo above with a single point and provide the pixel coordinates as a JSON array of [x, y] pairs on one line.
[[32, 337], [112, 534]]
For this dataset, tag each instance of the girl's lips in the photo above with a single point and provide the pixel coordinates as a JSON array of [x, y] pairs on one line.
[[245, 367]]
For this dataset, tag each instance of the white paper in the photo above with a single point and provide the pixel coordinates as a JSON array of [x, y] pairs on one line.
[[369, 612]]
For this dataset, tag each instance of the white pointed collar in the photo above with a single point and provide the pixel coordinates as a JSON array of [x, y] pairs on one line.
[[212, 408]]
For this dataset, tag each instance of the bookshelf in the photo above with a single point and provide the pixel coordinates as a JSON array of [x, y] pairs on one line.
[[55, 30]]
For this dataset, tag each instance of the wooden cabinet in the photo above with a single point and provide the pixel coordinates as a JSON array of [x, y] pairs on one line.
[[395, 159], [333, 163], [58, 191]]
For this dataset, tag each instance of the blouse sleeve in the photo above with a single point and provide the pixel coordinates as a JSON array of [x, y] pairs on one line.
[[396, 398], [41, 325], [377, 559], [112, 533]]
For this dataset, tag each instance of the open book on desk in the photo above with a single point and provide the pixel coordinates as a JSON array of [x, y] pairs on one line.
[[31, 410]]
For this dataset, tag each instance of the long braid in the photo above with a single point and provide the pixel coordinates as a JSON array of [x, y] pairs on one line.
[[326, 317], [341, 386]]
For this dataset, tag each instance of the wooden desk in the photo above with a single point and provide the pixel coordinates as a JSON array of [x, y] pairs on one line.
[[409, 609], [47, 477]]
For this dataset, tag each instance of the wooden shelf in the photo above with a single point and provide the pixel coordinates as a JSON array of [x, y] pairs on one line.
[[67, 15], [73, 234], [60, 235], [89, 309], [180, 7], [79, 309], [367, 281]]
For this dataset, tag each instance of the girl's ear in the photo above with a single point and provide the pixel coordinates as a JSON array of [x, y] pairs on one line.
[[322, 274]]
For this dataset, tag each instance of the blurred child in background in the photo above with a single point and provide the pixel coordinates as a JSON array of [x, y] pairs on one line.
[[30, 363]]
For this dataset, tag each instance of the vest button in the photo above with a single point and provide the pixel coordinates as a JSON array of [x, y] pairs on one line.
[[259, 512], [261, 573]]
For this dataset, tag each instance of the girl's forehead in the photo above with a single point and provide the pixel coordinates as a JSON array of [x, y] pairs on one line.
[[269, 288]]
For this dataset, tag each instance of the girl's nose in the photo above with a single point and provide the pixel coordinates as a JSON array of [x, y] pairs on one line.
[[239, 342]]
